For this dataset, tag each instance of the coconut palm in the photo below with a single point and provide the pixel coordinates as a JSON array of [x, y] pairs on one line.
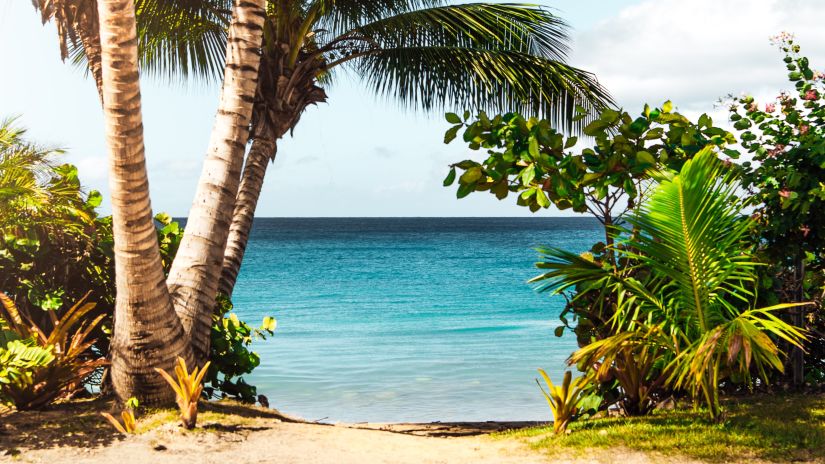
[[147, 333], [147, 330], [181, 38], [424, 54], [692, 293]]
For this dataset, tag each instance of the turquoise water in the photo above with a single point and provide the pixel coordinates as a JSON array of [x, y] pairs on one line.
[[406, 319]]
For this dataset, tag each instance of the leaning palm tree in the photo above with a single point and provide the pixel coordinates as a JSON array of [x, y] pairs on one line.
[[692, 293], [189, 37], [148, 333], [424, 54]]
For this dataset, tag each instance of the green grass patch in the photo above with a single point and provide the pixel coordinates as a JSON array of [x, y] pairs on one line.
[[773, 428]]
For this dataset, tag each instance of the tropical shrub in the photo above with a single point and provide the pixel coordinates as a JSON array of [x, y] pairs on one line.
[[18, 363], [564, 400], [55, 248], [694, 299], [230, 354], [188, 387], [785, 137], [527, 156], [64, 359]]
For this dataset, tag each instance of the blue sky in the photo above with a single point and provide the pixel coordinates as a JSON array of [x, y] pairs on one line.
[[359, 155]]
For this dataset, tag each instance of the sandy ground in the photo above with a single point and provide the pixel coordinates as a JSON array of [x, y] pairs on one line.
[[237, 435]]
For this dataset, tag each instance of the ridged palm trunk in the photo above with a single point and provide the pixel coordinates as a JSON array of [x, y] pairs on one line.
[[263, 150], [283, 94], [147, 333], [193, 278]]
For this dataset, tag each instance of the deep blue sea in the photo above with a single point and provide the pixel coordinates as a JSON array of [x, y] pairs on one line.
[[406, 319]]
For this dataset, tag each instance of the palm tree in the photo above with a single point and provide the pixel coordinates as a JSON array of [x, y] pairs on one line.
[[194, 275], [692, 293], [193, 280], [424, 54], [178, 39], [147, 333]]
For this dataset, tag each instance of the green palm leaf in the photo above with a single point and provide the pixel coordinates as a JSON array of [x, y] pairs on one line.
[[692, 235], [183, 38]]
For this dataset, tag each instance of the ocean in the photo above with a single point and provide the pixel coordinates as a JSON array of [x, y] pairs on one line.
[[406, 319]]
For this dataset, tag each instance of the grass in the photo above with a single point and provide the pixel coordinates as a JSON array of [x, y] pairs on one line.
[[777, 428]]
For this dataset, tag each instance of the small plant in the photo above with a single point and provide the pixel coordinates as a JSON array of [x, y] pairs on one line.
[[67, 343], [564, 400], [128, 415], [188, 388], [231, 355]]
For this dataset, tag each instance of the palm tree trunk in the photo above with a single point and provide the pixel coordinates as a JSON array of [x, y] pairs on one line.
[[147, 333], [263, 150], [193, 278]]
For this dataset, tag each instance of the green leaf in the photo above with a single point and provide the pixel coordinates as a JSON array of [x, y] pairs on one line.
[[94, 199], [464, 190], [667, 107], [269, 323], [163, 218], [542, 199], [471, 175], [451, 133], [528, 174], [528, 193], [453, 118], [645, 157], [533, 148], [450, 178]]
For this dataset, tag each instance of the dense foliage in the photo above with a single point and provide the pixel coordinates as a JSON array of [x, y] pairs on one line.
[[785, 138], [692, 299], [57, 356], [57, 250], [670, 301]]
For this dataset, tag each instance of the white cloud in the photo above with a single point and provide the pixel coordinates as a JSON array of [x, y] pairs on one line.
[[694, 52]]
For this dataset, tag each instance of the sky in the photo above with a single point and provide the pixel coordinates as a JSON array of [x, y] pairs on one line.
[[359, 155]]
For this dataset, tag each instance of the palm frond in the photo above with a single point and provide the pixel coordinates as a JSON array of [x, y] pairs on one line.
[[183, 38], [511, 27], [431, 78], [693, 234], [336, 17]]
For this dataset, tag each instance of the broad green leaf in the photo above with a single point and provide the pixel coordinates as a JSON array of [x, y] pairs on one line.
[[471, 175], [453, 118], [450, 178], [451, 134]]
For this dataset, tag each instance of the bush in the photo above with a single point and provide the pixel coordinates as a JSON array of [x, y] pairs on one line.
[[61, 351], [56, 249]]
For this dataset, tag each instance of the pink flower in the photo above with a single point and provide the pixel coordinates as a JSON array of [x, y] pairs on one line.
[[811, 95], [803, 129], [779, 148], [805, 230], [818, 75], [753, 107], [785, 193], [770, 108]]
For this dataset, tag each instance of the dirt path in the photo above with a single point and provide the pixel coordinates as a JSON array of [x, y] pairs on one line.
[[233, 434]]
